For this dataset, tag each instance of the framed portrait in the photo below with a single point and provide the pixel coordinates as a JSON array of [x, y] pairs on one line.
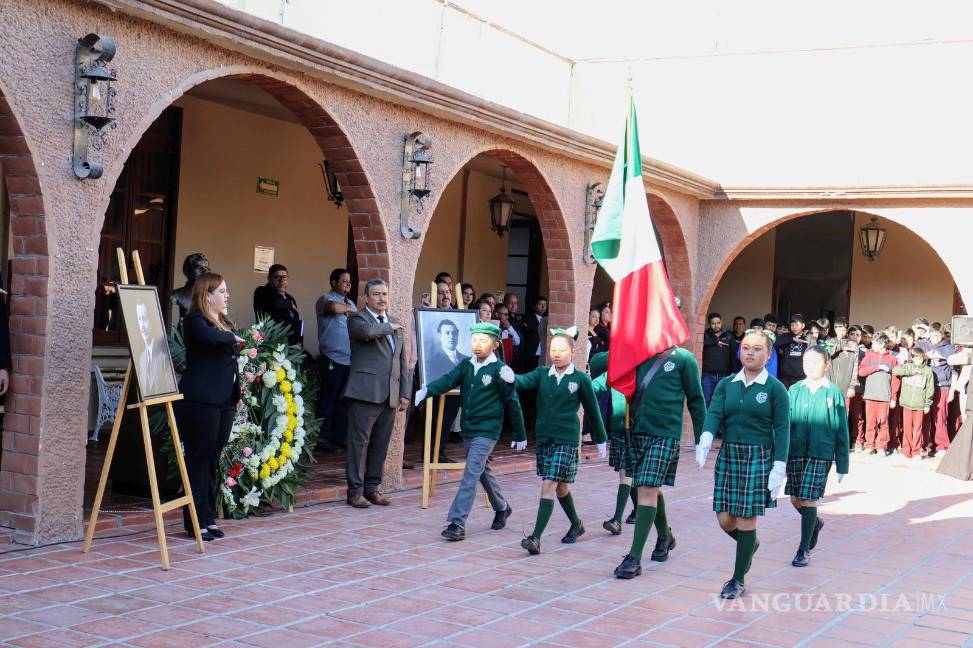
[[147, 342], [443, 341], [962, 328]]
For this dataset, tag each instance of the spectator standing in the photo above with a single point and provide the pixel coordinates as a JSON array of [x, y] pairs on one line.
[[596, 344], [469, 295], [792, 346], [938, 351], [718, 347], [333, 364], [273, 300], [880, 387], [916, 398]]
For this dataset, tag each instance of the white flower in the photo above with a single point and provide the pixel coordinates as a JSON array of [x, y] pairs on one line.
[[296, 388], [291, 374], [286, 365], [252, 498], [269, 378]]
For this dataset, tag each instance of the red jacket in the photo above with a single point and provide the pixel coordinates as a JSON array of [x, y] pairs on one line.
[[879, 385]]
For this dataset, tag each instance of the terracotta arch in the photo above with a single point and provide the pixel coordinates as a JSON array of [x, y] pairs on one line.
[[557, 242], [675, 250], [757, 233], [28, 329], [368, 231]]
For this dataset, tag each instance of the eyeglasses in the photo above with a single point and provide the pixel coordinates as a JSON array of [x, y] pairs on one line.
[[279, 277]]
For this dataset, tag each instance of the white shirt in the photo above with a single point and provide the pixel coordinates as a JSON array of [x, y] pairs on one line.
[[512, 334], [761, 378], [813, 387], [385, 320], [567, 372], [477, 365], [543, 333]]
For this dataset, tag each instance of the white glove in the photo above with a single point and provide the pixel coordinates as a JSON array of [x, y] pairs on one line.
[[507, 374], [519, 445], [776, 478], [421, 395], [602, 450], [841, 476], [703, 448]]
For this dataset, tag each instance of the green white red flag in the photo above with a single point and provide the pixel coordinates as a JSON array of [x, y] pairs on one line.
[[645, 317]]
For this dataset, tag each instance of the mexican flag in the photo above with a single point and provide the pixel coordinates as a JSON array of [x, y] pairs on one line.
[[645, 318]]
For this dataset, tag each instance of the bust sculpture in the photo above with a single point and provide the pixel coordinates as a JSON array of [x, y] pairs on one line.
[[194, 265]]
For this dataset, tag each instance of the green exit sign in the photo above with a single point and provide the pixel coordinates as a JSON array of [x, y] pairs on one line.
[[268, 186]]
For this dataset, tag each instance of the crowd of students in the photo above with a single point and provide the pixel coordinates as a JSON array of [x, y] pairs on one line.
[[900, 386]]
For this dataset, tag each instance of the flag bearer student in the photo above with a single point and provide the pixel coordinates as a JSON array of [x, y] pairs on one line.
[[617, 446], [487, 389], [818, 438], [753, 410], [916, 399], [560, 391], [665, 381]]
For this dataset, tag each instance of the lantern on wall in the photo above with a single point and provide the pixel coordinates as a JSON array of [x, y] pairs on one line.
[[415, 180], [331, 184], [872, 238], [501, 207], [593, 198], [94, 100]]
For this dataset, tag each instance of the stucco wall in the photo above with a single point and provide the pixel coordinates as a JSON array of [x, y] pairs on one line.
[[747, 287], [220, 213]]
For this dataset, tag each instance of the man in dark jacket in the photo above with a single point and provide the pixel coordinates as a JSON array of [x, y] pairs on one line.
[[792, 346], [273, 299], [718, 346], [938, 351]]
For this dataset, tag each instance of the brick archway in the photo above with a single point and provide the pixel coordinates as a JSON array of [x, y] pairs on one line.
[[28, 330], [676, 253]]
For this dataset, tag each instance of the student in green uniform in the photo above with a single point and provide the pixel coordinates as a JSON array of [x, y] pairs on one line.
[[560, 391], [752, 409], [487, 389], [818, 438], [664, 383], [617, 447]]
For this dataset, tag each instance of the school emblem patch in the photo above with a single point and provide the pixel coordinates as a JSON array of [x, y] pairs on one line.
[[762, 397], [669, 366], [572, 387], [487, 379]]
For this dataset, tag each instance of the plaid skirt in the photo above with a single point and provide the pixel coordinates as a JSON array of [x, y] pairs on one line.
[[557, 462], [653, 460], [618, 453], [740, 487], [807, 477]]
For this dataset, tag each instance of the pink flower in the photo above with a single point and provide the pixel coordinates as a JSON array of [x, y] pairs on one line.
[[252, 353], [249, 376], [230, 482], [257, 336], [247, 452]]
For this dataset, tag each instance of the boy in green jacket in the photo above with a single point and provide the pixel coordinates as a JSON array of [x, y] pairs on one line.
[[487, 389], [656, 430], [560, 390], [916, 396], [818, 437]]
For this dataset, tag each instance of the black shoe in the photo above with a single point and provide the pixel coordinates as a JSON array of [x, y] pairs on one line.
[[532, 545], [573, 534], [873, 451], [889, 453], [612, 526], [631, 518], [818, 524], [733, 589], [204, 534], [454, 532], [630, 568], [215, 532], [663, 546], [801, 559], [500, 518]]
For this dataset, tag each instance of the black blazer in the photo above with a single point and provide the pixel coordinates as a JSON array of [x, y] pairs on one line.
[[281, 308], [212, 374]]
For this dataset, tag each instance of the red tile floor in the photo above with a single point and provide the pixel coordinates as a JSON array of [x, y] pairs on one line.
[[894, 566]]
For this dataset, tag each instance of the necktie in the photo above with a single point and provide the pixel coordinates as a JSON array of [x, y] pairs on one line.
[[391, 340]]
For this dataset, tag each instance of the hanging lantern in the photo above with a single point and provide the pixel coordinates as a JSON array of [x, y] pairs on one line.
[[501, 207], [872, 238], [331, 184], [94, 100]]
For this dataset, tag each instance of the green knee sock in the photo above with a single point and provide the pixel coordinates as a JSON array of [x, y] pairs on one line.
[[634, 495], [620, 501], [661, 522], [567, 503], [746, 541], [733, 534], [644, 515], [809, 516], [544, 511]]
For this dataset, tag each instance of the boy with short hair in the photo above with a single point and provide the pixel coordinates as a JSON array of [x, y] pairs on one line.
[[938, 351], [856, 405], [918, 387], [792, 346], [486, 391], [880, 386]]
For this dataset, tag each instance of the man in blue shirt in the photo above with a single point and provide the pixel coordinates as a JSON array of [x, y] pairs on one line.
[[335, 347]]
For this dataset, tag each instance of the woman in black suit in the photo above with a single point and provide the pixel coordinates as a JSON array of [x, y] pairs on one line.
[[211, 389]]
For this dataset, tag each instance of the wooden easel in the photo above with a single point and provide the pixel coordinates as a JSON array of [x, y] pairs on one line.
[[158, 508], [430, 469]]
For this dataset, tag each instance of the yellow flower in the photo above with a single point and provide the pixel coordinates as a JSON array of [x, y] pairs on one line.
[[272, 462], [289, 397], [264, 471], [281, 374], [291, 422], [291, 408], [285, 450], [288, 436], [285, 386]]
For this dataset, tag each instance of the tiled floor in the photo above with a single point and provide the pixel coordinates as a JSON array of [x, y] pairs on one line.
[[896, 540]]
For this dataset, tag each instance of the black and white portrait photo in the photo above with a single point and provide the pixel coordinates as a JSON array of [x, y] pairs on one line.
[[147, 340], [443, 341]]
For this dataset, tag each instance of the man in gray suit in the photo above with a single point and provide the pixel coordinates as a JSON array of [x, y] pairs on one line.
[[379, 385]]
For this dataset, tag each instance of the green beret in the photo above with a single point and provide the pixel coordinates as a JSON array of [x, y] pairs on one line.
[[598, 364], [486, 327]]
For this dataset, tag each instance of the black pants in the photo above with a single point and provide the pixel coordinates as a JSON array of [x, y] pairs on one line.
[[332, 409], [369, 432], [204, 430]]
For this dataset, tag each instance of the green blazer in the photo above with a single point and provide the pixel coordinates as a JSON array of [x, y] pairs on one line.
[[558, 402], [484, 396], [819, 424]]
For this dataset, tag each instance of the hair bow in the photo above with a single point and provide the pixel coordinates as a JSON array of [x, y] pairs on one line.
[[571, 332]]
